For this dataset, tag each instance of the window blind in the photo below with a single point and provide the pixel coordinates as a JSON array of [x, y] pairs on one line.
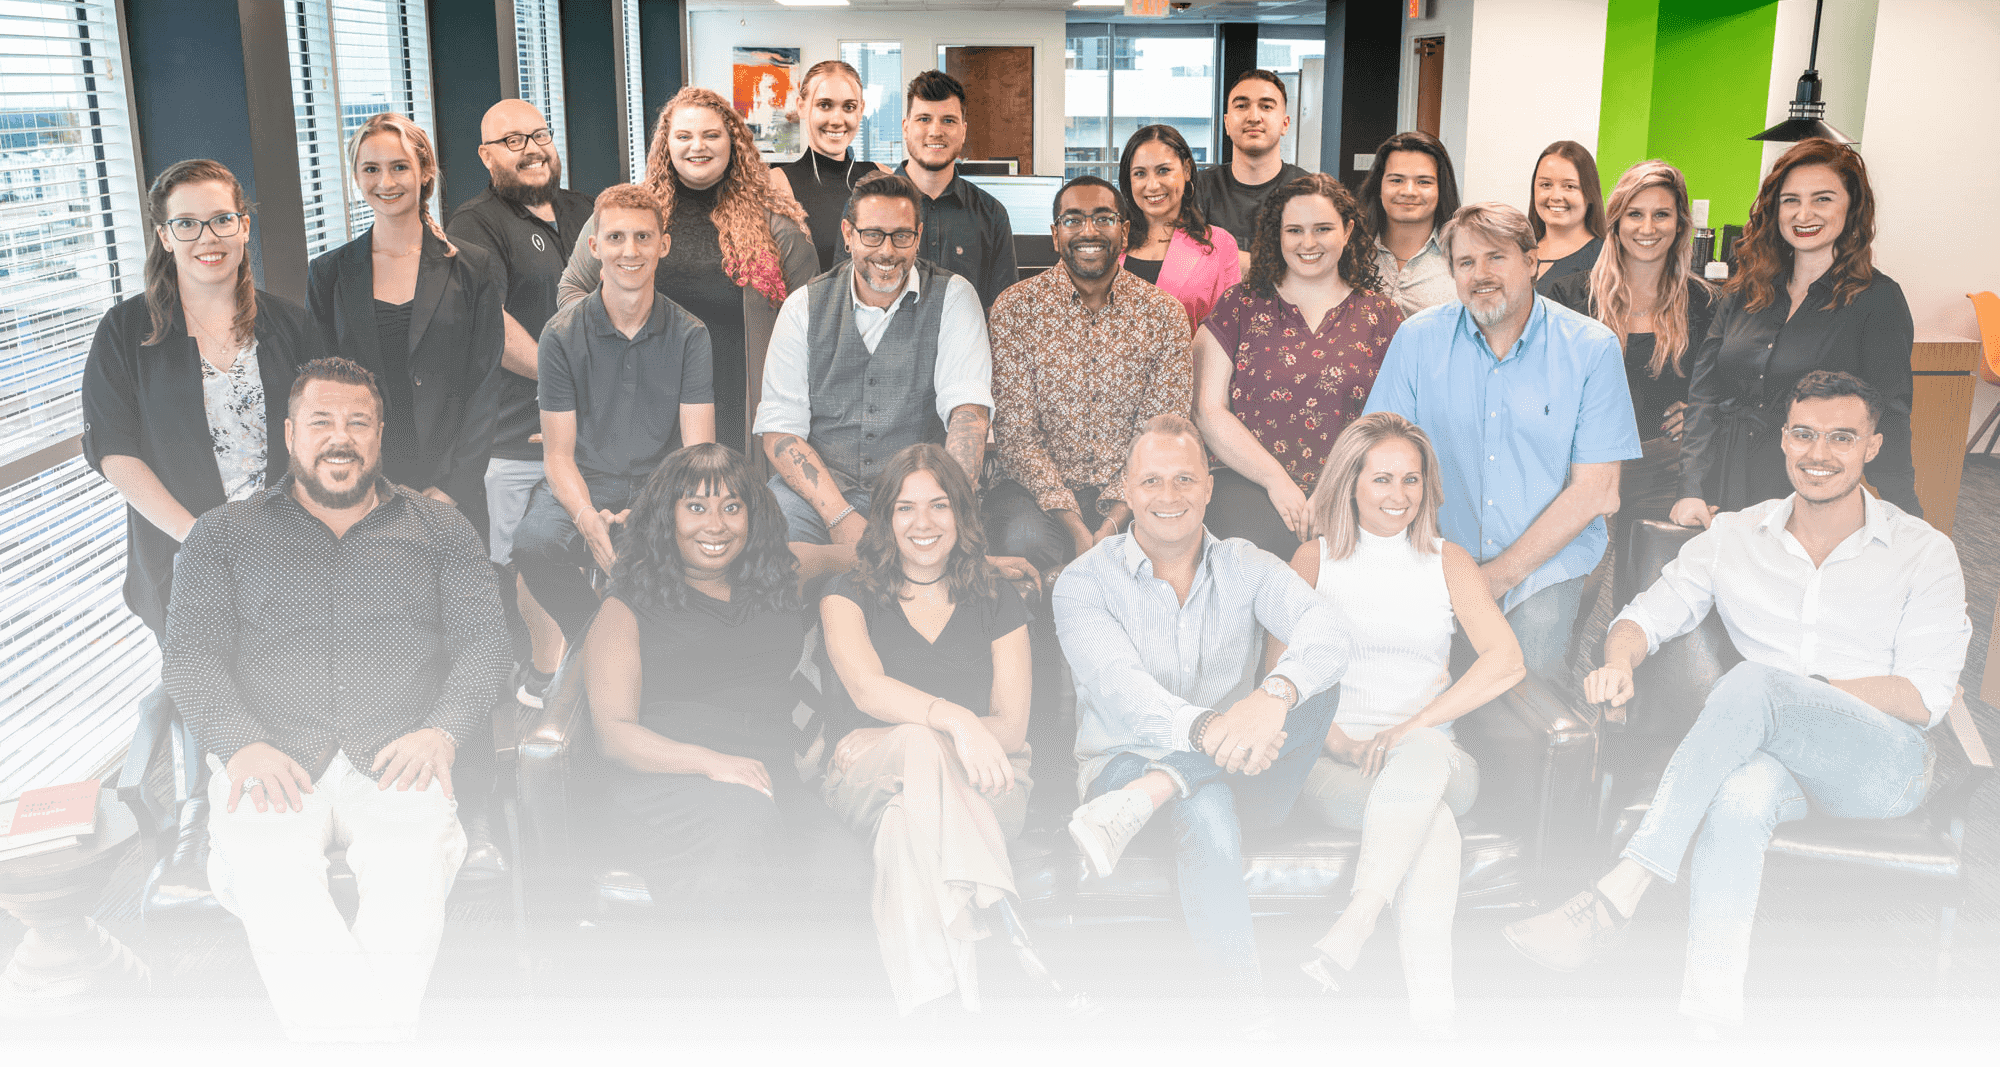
[[633, 93], [539, 66]]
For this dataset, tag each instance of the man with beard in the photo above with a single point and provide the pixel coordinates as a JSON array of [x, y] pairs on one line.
[[530, 223], [330, 638], [1526, 403], [1255, 118], [884, 351], [1083, 355], [966, 231]]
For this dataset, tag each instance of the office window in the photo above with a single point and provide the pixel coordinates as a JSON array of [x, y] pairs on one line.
[[633, 92], [538, 62], [1117, 81], [72, 659], [350, 59], [880, 64], [1087, 107]]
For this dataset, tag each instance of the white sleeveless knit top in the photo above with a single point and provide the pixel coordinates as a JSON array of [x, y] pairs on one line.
[[1403, 624]]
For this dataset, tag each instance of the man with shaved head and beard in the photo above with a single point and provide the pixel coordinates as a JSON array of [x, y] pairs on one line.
[[530, 223]]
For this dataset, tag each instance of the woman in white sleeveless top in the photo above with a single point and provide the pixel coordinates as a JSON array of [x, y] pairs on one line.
[[1390, 768]]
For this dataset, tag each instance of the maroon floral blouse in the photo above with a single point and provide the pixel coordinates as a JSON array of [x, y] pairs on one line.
[[1295, 388]]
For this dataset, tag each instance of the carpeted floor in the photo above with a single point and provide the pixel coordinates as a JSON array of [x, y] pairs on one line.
[[1841, 967]]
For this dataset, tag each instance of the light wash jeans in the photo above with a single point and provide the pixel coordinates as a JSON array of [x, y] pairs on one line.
[[1768, 747], [1543, 624], [1208, 820], [802, 523]]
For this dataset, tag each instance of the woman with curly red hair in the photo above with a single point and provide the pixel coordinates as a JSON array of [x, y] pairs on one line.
[[736, 244], [1806, 296]]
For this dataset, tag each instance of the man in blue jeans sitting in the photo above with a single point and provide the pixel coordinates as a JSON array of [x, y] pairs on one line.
[[1850, 615], [1164, 630]]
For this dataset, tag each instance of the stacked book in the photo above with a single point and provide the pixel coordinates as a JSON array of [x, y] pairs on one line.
[[47, 820]]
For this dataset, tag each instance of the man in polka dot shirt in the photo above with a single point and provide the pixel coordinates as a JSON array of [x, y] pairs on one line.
[[336, 639]]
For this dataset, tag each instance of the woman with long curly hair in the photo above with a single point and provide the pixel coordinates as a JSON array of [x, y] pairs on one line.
[[1170, 244], [737, 244], [185, 388], [927, 725], [1644, 287], [830, 107], [688, 668], [1286, 360], [1805, 296]]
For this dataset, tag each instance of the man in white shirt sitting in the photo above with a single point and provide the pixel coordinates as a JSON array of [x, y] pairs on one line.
[[1850, 615]]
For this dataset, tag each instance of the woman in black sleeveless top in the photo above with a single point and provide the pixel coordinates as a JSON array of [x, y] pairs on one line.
[[688, 667], [830, 108]]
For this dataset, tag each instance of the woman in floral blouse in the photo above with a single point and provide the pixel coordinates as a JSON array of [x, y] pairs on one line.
[[1286, 360]]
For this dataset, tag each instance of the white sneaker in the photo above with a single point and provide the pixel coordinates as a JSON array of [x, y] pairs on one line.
[[1103, 827]]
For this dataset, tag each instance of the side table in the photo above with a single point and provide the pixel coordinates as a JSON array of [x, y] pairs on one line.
[[66, 956]]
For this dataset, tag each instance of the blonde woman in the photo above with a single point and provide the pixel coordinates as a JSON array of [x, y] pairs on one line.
[[1644, 288], [420, 313], [830, 107], [1390, 768], [736, 245]]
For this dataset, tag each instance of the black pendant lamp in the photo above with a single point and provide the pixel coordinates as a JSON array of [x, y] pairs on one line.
[[1808, 111]]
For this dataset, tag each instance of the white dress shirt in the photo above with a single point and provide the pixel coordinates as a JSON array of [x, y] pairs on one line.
[[963, 373], [1889, 600]]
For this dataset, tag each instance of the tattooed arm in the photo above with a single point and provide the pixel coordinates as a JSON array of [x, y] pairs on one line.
[[802, 469], [965, 439]]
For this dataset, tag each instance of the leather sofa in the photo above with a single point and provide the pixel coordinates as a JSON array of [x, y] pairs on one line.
[[1925, 849]]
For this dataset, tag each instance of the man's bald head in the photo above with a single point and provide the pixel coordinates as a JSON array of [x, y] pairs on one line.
[[531, 175], [510, 116]]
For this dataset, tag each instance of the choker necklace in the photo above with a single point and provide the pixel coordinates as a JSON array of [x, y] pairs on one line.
[[933, 581]]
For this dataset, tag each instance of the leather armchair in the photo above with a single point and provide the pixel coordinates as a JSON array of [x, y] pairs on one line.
[[177, 900], [1925, 848]]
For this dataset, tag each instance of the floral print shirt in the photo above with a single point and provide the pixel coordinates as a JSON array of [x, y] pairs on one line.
[[235, 401], [1296, 388]]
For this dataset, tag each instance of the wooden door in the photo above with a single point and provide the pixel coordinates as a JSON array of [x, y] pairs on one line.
[[1430, 83], [1000, 106]]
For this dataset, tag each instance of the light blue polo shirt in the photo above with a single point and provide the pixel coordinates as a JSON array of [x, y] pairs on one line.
[[1507, 430]]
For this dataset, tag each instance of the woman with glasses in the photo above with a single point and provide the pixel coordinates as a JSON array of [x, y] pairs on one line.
[[185, 388], [1287, 359], [830, 108], [1644, 288], [1171, 244], [1805, 296], [421, 313], [736, 245]]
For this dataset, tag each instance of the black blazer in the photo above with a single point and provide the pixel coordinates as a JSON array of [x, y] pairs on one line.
[[456, 335], [145, 401]]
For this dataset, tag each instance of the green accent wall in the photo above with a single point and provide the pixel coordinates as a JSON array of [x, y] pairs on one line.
[[1686, 81]]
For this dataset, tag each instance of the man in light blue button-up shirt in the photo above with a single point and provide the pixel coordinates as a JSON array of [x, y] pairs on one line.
[[1527, 404], [1164, 629]]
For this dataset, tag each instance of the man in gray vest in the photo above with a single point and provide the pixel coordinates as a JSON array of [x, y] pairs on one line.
[[882, 352]]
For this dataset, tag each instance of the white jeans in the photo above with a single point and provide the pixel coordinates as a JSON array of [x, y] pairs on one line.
[[326, 981]]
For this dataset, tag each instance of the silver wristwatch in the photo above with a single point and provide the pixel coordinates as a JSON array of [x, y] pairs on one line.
[[1281, 687]]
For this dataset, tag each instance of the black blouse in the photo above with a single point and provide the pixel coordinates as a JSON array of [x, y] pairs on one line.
[[691, 275], [399, 424], [718, 673], [145, 401], [1744, 373], [1577, 262], [1651, 397], [821, 185]]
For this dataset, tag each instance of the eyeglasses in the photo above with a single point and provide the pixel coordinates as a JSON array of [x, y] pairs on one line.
[[899, 238], [227, 224], [1103, 220], [517, 141], [1804, 436]]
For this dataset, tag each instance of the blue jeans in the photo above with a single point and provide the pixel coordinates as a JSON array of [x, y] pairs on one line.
[[1208, 819], [802, 523], [1768, 746], [1542, 623]]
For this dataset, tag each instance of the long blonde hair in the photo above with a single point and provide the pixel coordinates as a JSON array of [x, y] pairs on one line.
[[163, 278], [745, 202], [1332, 503], [1611, 301], [418, 145]]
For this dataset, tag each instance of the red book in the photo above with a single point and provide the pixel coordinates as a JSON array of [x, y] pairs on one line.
[[53, 811]]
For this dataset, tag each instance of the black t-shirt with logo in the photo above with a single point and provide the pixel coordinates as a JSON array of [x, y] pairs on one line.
[[531, 255]]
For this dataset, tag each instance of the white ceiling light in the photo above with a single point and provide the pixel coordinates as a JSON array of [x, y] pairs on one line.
[[813, 3], [1099, 3]]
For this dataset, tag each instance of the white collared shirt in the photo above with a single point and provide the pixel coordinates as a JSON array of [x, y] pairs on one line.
[[1889, 600], [963, 373]]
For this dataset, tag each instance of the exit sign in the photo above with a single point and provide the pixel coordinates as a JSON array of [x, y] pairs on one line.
[[1419, 9], [1146, 8]]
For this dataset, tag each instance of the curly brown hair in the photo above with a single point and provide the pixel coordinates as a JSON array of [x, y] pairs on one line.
[[1267, 259], [1762, 254], [743, 206], [878, 565]]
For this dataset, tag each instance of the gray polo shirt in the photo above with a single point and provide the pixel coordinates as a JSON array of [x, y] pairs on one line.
[[626, 393]]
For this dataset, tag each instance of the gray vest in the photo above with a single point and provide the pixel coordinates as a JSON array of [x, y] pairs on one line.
[[868, 406]]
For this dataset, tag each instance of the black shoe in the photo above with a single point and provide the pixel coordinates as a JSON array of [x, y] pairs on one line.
[[534, 686]]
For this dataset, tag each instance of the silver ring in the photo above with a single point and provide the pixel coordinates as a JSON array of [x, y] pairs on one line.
[[1242, 748], [252, 782]]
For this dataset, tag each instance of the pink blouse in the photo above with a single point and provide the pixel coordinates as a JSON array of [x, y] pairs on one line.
[[1197, 276]]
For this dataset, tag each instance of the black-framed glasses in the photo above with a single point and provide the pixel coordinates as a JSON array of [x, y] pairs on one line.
[[1804, 436], [227, 224], [899, 238], [1103, 220], [517, 141]]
